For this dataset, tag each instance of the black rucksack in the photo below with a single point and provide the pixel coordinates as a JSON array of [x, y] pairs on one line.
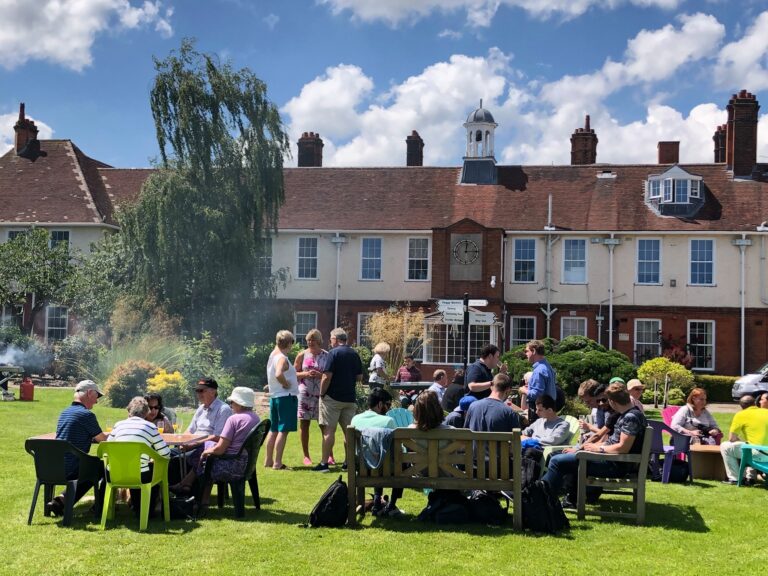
[[542, 511], [485, 508], [445, 507], [331, 509]]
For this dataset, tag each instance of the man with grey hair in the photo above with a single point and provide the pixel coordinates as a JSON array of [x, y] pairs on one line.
[[78, 426], [343, 369], [136, 429]]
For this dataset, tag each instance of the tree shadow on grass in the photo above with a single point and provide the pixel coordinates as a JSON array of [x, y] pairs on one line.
[[410, 524], [670, 516]]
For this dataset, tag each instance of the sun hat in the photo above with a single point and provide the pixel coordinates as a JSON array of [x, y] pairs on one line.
[[634, 383], [243, 396]]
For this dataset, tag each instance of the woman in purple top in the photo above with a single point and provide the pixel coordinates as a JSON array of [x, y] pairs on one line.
[[236, 430]]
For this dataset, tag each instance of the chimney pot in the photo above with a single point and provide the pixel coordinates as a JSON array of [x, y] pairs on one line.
[[584, 145], [310, 150], [25, 130], [741, 133]]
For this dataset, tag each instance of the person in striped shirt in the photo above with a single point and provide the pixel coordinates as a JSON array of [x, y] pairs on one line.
[[137, 429]]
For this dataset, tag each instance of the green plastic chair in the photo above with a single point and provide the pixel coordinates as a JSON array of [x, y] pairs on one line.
[[122, 460], [748, 461]]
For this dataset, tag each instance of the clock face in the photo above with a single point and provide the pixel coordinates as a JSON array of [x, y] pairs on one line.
[[465, 251]]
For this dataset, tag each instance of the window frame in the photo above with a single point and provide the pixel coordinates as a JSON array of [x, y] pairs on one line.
[[409, 259], [53, 244], [516, 341], [637, 343], [299, 258], [515, 260], [49, 328], [363, 317], [364, 259], [264, 258], [580, 318], [658, 281], [456, 357], [563, 279], [654, 183], [300, 336], [713, 346], [691, 262]]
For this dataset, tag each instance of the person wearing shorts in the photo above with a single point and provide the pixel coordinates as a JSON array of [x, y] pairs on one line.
[[343, 369], [283, 400]]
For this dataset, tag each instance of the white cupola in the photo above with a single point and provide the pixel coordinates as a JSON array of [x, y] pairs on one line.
[[480, 133]]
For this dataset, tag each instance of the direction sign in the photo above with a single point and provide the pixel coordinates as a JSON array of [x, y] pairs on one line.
[[452, 306], [482, 318], [479, 302], [453, 318]]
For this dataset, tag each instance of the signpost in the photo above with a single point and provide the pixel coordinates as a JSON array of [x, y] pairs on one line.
[[457, 312]]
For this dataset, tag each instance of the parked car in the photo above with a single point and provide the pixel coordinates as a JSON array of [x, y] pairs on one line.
[[751, 383]]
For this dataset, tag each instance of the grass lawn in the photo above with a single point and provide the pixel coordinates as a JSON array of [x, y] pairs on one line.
[[703, 528]]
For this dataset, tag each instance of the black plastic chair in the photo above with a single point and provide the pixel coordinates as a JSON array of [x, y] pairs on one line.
[[50, 469], [252, 445]]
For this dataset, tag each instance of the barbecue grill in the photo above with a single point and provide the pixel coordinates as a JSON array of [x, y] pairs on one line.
[[7, 371]]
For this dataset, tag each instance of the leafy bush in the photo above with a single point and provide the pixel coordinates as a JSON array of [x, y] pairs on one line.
[[128, 380], [657, 369], [575, 359], [575, 407], [172, 386], [13, 336], [77, 356], [253, 368], [163, 352], [676, 397], [365, 357], [718, 387], [202, 359]]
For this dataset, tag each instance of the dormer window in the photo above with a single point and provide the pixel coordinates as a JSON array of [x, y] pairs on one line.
[[675, 186]]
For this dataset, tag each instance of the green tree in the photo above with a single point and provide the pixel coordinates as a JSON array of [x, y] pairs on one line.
[[657, 370], [29, 265], [199, 226]]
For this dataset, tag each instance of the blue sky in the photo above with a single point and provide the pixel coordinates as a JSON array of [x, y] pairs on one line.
[[364, 73]]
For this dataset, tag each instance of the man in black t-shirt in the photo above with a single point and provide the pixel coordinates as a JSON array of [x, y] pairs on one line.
[[343, 369], [479, 376], [626, 438]]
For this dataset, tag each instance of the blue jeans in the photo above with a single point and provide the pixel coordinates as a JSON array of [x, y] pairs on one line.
[[562, 465]]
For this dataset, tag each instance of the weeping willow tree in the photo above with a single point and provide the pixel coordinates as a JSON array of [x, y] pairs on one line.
[[200, 225]]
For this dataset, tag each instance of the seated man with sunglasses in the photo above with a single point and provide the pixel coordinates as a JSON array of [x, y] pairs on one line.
[[209, 418]]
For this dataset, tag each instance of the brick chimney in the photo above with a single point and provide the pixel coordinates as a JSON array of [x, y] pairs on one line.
[[669, 152], [719, 139], [584, 145], [310, 150], [25, 130], [741, 133], [415, 150]]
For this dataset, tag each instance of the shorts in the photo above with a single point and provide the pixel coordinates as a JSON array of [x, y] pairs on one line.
[[282, 413], [333, 412]]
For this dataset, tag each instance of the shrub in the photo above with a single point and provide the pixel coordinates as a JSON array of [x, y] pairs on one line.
[[718, 387], [578, 365], [202, 359], [128, 380], [13, 336], [657, 369], [253, 368], [365, 357], [575, 407], [676, 397], [172, 386], [77, 356], [578, 343]]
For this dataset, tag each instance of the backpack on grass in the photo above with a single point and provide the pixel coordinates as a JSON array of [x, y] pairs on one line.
[[542, 511], [331, 509]]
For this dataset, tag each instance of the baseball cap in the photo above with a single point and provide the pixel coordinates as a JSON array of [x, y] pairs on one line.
[[465, 402], [616, 379], [85, 385], [208, 383]]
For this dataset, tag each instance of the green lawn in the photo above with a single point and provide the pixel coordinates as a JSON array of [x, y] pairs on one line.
[[704, 528]]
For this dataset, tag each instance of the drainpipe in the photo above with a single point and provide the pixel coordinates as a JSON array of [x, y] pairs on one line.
[[742, 243], [549, 228], [763, 296], [611, 242], [339, 241]]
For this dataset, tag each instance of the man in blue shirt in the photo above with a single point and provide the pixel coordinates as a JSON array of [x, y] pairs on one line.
[[543, 379], [492, 414], [78, 426]]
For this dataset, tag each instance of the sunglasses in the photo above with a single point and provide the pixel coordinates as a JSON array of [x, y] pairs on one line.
[[154, 408], [199, 390]]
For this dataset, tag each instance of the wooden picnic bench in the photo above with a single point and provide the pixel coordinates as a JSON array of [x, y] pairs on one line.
[[439, 459]]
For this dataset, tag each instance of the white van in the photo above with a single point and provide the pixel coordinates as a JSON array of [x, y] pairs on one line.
[[751, 383]]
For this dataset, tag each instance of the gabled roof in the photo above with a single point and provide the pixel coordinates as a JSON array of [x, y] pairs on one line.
[[61, 187], [422, 198]]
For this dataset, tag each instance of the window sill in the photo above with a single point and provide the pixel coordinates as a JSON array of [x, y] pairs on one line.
[[523, 282], [649, 283], [574, 283], [701, 285], [414, 280], [310, 279], [370, 280]]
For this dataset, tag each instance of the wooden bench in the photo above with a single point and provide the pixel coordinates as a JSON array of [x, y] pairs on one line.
[[431, 460]]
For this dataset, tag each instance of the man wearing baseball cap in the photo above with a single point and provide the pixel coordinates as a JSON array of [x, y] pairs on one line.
[[78, 426], [211, 415]]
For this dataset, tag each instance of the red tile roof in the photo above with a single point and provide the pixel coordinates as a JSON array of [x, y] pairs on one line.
[[424, 198]]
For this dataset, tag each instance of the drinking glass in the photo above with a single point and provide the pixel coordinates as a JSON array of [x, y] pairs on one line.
[[108, 426], [160, 427], [178, 426]]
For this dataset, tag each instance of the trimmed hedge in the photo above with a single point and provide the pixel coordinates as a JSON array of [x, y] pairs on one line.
[[718, 387]]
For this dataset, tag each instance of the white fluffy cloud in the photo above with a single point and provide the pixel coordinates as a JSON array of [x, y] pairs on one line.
[[363, 127], [7, 134], [746, 58], [63, 31], [480, 13]]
